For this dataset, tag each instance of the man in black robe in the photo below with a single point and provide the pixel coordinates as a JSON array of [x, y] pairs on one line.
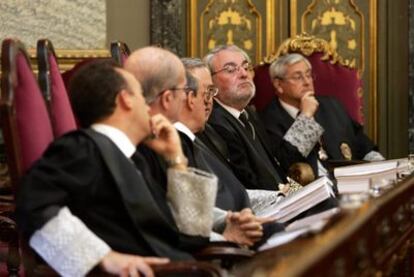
[[305, 128], [250, 152], [85, 202]]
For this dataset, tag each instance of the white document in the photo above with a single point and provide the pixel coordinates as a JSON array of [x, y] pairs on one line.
[[299, 201]]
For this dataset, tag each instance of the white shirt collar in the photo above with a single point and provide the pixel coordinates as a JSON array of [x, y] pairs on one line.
[[291, 110], [182, 128], [118, 137], [234, 112]]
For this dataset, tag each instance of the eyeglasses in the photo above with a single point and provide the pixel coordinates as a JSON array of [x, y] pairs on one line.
[[231, 68], [210, 92], [186, 89], [299, 77]]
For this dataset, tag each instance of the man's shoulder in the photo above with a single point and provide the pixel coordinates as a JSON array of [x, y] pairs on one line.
[[220, 117], [70, 153], [331, 104], [272, 113], [328, 100], [74, 139]]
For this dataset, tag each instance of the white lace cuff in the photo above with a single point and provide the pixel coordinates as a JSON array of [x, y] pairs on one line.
[[67, 245], [373, 156], [261, 199], [192, 196], [304, 134]]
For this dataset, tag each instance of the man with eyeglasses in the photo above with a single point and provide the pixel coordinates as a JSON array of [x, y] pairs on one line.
[[150, 66], [249, 150], [310, 129], [232, 195]]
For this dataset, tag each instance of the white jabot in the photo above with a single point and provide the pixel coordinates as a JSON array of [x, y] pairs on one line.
[[118, 137]]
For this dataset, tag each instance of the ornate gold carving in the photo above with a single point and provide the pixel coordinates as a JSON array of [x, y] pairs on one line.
[[231, 22], [341, 24], [307, 44]]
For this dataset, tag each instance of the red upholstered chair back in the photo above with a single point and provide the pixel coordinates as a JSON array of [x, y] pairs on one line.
[[333, 76], [54, 90], [119, 51], [24, 118]]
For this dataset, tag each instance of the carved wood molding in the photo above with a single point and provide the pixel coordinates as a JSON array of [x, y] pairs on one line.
[[307, 45]]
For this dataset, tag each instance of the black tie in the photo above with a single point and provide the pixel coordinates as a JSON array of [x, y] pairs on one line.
[[247, 124]]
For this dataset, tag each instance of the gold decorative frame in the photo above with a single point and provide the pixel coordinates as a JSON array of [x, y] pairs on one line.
[[372, 99], [68, 58], [196, 37]]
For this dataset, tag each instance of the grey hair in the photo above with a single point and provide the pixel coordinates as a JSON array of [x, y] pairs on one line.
[[190, 64], [193, 63], [192, 82], [208, 59], [278, 68]]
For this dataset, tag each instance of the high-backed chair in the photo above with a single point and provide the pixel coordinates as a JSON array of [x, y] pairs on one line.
[[54, 90], [334, 77], [119, 51], [24, 119]]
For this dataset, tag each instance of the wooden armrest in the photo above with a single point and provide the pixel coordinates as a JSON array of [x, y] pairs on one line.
[[228, 253], [187, 268], [183, 268]]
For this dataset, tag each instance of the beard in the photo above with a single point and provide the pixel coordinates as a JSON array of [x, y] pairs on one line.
[[243, 93]]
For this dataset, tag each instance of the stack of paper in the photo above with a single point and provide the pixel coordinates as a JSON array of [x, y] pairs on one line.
[[299, 201], [362, 177]]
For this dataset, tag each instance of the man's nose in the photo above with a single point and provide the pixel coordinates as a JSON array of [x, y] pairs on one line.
[[243, 72]]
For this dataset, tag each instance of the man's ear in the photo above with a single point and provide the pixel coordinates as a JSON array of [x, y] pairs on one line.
[[124, 99], [190, 100], [277, 85], [166, 99]]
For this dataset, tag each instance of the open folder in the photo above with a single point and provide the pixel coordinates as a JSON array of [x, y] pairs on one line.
[[299, 201]]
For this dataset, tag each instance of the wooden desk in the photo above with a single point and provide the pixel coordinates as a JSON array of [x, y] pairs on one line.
[[376, 239]]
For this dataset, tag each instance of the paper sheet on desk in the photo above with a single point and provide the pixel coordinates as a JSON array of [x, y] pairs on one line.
[[287, 236], [313, 223]]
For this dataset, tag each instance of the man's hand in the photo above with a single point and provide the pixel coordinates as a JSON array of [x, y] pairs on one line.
[[309, 104], [130, 265], [243, 228], [165, 140]]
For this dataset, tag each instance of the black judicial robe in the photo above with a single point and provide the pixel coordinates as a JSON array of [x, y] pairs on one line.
[[231, 194], [254, 170], [215, 143], [339, 128], [86, 172]]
